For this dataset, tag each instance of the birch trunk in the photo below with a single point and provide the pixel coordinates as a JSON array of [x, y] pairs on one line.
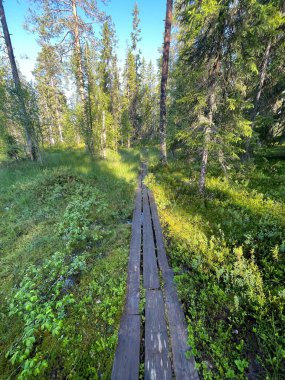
[[164, 77]]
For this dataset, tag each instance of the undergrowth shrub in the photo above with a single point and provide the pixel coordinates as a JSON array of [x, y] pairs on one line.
[[228, 254], [45, 293]]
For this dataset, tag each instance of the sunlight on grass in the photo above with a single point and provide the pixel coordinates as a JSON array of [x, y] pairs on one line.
[[227, 250], [72, 209]]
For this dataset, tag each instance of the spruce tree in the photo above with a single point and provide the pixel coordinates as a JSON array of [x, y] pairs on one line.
[[52, 101], [129, 97]]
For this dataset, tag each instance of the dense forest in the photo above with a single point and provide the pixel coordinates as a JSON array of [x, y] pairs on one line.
[[208, 119]]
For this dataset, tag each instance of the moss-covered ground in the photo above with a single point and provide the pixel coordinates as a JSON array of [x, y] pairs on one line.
[[64, 240], [228, 252]]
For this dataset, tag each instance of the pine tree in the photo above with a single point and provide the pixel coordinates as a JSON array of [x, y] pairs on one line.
[[66, 24]]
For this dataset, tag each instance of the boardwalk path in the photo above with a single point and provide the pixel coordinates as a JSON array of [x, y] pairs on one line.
[[159, 340]]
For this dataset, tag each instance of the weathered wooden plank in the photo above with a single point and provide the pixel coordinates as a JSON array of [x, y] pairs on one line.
[[183, 368], [133, 282], [150, 270], [157, 363], [127, 357], [161, 254]]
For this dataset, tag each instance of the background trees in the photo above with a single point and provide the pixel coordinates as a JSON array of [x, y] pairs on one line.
[[24, 116], [226, 68], [80, 92], [226, 85], [51, 98]]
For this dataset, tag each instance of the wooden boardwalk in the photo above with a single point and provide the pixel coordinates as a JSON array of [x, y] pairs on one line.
[[159, 340]]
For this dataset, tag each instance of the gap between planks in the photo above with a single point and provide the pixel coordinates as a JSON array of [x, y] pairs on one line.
[[127, 356], [159, 312]]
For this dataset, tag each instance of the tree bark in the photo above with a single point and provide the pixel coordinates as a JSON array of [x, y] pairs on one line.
[[164, 77], [208, 129], [263, 74], [27, 124], [254, 112], [204, 163], [59, 127], [80, 81], [104, 136], [51, 139]]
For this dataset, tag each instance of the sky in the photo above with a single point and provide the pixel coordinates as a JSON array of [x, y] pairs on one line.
[[152, 15]]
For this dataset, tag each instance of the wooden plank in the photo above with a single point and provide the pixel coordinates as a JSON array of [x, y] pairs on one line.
[[150, 270], [161, 254], [184, 368], [133, 282], [127, 357], [157, 363]]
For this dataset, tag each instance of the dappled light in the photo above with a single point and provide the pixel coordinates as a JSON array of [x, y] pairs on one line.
[[142, 189]]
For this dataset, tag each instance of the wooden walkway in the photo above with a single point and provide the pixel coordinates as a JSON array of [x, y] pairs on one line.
[[157, 336]]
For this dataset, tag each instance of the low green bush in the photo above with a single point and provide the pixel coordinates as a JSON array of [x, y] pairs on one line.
[[228, 253]]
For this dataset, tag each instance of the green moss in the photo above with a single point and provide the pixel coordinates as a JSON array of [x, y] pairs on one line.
[[228, 254], [64, 307]]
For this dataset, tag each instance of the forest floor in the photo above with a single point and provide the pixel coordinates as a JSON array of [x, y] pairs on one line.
[[64, 243], [228, 253], [63, 268]]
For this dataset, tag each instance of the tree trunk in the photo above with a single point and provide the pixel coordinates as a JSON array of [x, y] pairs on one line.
[[59, 127], [80, 81], [104, 136], [254, 112], [27, 124], [204, 163], [263, 74], [208, 129], [51, 139], [89, 101], [164, 77], [49, 124]]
